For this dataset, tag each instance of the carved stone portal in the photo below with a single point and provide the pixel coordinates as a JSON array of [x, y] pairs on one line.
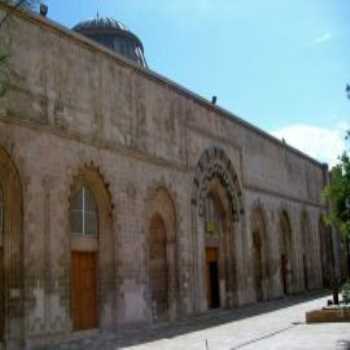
[[217, 206]]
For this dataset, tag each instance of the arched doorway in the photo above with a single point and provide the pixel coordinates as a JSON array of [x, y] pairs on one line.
[[306, 249], [84, 226], [261, 268], [92, 262], [217, 207], [286, 253], [215, 250], [162, 256], [11, 254], [219, 242]]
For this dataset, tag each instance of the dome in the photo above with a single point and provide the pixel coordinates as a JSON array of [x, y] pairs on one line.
[[114, 35]]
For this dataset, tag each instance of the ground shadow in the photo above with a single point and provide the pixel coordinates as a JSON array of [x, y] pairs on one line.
[[137, 336]]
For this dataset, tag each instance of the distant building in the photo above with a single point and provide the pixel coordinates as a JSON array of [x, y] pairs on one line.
[[126, 199]]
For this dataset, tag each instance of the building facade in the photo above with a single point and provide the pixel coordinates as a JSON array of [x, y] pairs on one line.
[[127, 200]]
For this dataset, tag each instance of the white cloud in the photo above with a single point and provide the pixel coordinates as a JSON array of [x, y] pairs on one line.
[[323, 38], [322, 144]]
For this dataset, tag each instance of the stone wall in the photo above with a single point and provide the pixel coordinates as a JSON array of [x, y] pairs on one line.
[[72, 105]]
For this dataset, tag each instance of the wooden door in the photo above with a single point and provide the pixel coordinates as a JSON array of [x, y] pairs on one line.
[[2, 295], [213, 288], [84, 291]]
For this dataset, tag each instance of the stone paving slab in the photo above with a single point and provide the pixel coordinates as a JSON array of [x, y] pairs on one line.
[[274, 325]]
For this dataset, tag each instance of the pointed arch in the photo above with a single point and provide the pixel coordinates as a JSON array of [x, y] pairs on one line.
[[216, 184], [11, 253], [217, 245], [92, 273], [214, 163], [161, 238]]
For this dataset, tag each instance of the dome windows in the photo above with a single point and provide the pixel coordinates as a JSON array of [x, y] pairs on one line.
[[115, 36]]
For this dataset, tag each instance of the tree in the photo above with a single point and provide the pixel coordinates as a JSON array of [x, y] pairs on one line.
[[338, 194]]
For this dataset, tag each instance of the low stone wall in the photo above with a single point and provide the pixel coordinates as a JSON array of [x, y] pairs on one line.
[[328, 315]]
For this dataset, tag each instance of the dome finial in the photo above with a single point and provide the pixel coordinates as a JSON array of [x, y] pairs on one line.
[[98, 13]]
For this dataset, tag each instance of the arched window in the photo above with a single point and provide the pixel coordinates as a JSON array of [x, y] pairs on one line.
[[84, 213], [2, 209]]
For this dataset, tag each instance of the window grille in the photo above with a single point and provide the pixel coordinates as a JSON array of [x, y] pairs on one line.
[[84, 213]]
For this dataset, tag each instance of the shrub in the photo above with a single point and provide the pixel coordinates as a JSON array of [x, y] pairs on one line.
[[346, 292]]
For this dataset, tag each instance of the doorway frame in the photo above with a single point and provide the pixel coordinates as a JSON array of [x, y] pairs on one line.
[[91, 177]]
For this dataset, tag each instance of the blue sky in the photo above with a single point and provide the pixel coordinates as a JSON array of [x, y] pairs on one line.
[[280, 64]]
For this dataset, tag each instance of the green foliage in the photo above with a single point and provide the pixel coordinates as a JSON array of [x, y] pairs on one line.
[[338, 193], [346, 292]]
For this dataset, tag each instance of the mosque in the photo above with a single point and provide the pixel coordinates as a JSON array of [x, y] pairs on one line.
[[126, 199]]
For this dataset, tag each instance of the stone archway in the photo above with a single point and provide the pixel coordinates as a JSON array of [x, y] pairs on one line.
[[92, 257], [219, 262], [261, 270], [11, 254], [161, 226], [306, 249], [217, 207], [286, 253]]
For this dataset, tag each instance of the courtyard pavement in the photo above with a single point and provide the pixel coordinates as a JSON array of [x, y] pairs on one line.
[[268, 326]]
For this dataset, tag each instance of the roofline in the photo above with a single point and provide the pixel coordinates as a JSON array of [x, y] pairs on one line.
[[35, 18]]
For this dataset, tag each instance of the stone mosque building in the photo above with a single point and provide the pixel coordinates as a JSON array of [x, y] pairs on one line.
[[127, 200]]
